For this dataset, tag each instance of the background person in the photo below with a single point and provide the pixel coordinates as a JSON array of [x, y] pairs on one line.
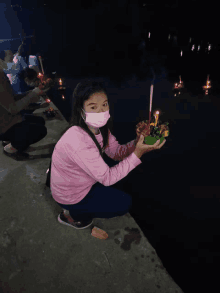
[[20, 132], [15, 64], [30, 77]]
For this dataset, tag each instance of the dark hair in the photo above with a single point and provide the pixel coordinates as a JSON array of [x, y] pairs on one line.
[[82, 93], [31, 74]]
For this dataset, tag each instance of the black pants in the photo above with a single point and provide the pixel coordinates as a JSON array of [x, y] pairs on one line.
[[31, 130], [101, 202]]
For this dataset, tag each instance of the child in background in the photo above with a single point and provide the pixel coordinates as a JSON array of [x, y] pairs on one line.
[[15, 64]]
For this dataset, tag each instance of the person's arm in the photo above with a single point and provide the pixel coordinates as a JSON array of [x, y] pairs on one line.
[[21, 96], [7, 100], [137, 154]]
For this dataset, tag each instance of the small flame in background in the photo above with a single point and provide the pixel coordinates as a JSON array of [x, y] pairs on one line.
[[207, 86], [180, 84]]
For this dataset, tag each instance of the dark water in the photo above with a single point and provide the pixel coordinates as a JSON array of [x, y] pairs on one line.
[[177, 203], [175, 192], [176, 196]]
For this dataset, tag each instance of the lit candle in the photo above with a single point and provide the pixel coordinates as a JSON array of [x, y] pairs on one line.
[[156, 117], [207, 86], [60, 81], [151, 97], [180, 85], [41, 76], [208, 82]]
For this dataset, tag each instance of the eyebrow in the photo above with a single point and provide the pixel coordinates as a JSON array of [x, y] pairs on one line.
[[96, 103]]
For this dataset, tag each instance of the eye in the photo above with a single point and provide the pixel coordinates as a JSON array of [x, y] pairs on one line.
[[106, 104]]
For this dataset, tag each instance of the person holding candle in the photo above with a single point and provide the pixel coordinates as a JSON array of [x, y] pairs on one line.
[[14, 128], [84, 142], [142, 148], [30, 76], [15, 64]]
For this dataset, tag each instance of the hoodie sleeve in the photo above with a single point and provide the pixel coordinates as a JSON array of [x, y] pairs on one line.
[[85, 154], [94, 166], [119, 152], [7, 100]]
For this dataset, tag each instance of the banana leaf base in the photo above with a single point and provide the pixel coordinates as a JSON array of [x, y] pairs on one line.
[[152, 140]]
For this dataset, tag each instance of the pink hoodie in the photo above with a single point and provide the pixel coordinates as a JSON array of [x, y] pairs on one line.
[[77, 165]]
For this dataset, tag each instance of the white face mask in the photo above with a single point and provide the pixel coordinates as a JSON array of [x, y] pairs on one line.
[[97, 119]]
